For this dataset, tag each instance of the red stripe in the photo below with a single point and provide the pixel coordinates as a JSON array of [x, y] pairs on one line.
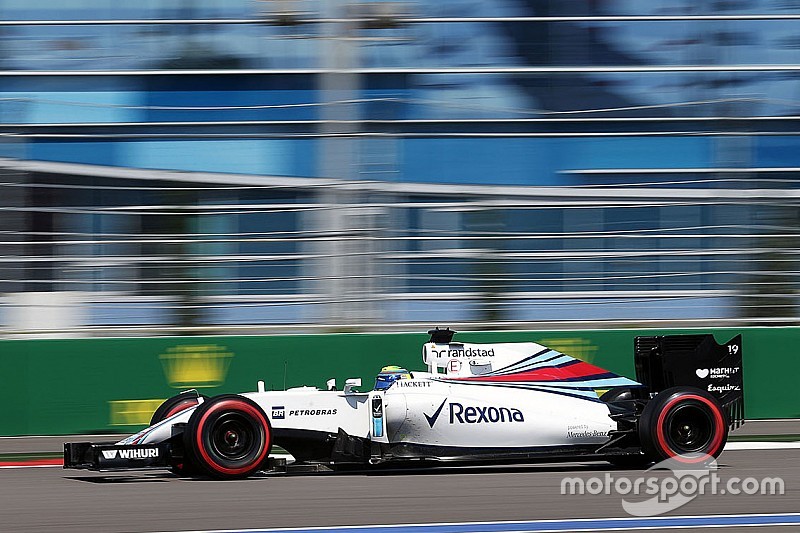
[[581, 369], [53, 461]]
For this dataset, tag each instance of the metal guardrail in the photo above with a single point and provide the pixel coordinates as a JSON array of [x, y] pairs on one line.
[[127, 258], [92, 250]]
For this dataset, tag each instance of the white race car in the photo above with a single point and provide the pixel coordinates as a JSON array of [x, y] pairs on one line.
[[511, 402]]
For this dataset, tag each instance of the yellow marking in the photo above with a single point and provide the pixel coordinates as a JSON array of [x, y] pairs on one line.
[[578, 348], [132, 412], [196, 366]]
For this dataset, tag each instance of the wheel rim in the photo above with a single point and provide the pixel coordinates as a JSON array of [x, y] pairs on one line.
[[233, 437], [690, 428]]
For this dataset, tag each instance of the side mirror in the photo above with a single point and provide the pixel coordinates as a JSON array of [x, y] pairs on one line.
[[351, 383], [330, 384]]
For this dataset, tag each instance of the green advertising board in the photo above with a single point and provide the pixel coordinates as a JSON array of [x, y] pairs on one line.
[[65, 386]]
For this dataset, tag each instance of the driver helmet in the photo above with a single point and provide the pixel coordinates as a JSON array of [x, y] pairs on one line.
[[390, 374]]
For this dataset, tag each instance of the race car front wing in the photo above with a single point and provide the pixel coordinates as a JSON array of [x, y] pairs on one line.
[[110, 456]]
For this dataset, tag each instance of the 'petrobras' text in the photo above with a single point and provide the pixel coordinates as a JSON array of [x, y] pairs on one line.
[[312, 412]]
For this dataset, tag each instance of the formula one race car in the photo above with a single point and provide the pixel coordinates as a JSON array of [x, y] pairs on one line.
[[509, 402]]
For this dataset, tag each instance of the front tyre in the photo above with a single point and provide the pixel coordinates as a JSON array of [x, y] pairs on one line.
[[170, 407], [683, 423], [228, 437], [175, 405]]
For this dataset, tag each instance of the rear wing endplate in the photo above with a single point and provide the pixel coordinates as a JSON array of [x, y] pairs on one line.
[[695, 361]]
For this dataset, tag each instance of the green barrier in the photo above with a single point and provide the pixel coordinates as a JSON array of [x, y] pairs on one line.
[[69, 386]]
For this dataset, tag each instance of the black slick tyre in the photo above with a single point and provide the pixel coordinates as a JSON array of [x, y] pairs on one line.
[[617, 394], [683, 423], [228, 437]]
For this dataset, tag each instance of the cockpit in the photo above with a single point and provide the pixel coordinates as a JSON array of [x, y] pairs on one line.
[[390, 374]]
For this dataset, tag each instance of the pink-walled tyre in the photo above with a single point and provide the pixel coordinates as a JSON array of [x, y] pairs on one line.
[[175, 405], [683, 423], [172, 406], [228, 437]]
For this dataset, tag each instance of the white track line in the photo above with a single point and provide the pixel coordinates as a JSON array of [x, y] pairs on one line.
[[762, 445], [68, 437], [553, 525], [31, 466]]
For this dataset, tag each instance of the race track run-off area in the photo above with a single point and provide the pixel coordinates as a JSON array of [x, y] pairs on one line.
[[458, 499]]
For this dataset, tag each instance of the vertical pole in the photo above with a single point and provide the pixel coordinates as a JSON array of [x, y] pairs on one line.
[[339, 267]]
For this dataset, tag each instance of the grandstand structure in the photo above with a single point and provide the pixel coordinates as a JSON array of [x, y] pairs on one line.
[[335, 165]]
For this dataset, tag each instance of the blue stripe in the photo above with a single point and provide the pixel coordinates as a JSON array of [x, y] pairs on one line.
[[589, 395], [592, 382], [532, 357], [599, 524], [554, 359]]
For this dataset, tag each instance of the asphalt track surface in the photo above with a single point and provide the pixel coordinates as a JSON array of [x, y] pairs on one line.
[[52, 499]]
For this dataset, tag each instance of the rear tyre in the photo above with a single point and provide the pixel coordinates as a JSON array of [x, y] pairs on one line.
[[683, 423], [228, 437], [173, 406], [617, 394]]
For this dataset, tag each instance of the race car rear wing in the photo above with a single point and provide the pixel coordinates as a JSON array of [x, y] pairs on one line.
[[696, 361]]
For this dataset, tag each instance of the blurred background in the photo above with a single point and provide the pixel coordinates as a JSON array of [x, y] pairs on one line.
[[225, 166]]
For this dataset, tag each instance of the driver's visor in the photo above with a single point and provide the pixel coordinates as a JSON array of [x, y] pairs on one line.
[[384, 382]]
